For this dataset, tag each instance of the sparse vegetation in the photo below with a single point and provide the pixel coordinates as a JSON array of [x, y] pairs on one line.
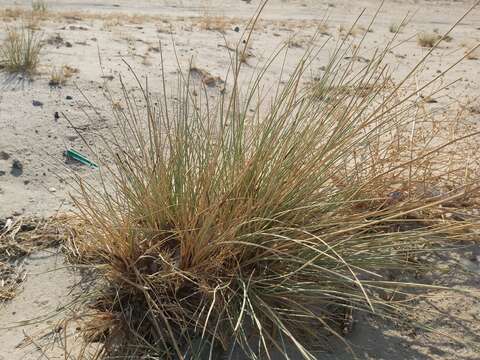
[[259, 226], [20, 51]]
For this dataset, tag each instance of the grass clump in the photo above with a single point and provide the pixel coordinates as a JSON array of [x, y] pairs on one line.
[[218, 229], [39, 6], [428, 39], [59, 77], [20, 51], [214, 23], [395, 28]]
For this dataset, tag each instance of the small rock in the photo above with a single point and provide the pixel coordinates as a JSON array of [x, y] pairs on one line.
[[37, 103], [56, 115], [26, 182], [2, 172], [476, 254], [4, 155], [52, 189], [17, 168], [68, 97], [68, 44], [236, 29]]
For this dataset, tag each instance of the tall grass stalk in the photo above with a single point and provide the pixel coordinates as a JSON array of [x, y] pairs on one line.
[[220, 230]]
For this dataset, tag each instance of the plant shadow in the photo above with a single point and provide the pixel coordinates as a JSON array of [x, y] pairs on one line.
[[14, 81]]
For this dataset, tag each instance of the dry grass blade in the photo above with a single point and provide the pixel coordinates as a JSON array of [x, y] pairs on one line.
[[217, 229]]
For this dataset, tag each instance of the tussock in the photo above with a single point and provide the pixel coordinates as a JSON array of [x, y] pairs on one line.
[[20, 51], [221, 229]]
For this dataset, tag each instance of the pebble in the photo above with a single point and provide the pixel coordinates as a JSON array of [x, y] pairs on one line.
[[17, 168], [476, 254], [68, 97], [37, 103], [4, 155], [52, 189]]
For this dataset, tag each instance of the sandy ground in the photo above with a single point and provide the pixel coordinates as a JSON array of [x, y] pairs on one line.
[[76, 33]]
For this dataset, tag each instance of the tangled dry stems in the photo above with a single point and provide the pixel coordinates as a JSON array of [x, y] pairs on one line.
[[18, 239]]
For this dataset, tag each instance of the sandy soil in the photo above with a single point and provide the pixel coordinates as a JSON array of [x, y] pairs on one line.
[[76, 32]]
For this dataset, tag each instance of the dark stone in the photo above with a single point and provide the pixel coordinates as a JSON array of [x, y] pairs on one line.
[[68, 97], [4, 155], [17, 168], [37, 103]]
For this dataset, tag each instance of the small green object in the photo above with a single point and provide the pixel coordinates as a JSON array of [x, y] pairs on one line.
[[75, 155]]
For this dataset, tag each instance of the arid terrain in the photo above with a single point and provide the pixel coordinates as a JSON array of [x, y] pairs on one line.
[[93, 43]]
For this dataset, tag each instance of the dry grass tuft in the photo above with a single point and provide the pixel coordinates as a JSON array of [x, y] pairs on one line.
[[217, 228], [59, 77], [20, 51], [39, 6], [323, 29], [428, 39], [395, 28], [214, 23]]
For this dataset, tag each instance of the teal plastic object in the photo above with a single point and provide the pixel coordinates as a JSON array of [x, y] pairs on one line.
[[75, 155]]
